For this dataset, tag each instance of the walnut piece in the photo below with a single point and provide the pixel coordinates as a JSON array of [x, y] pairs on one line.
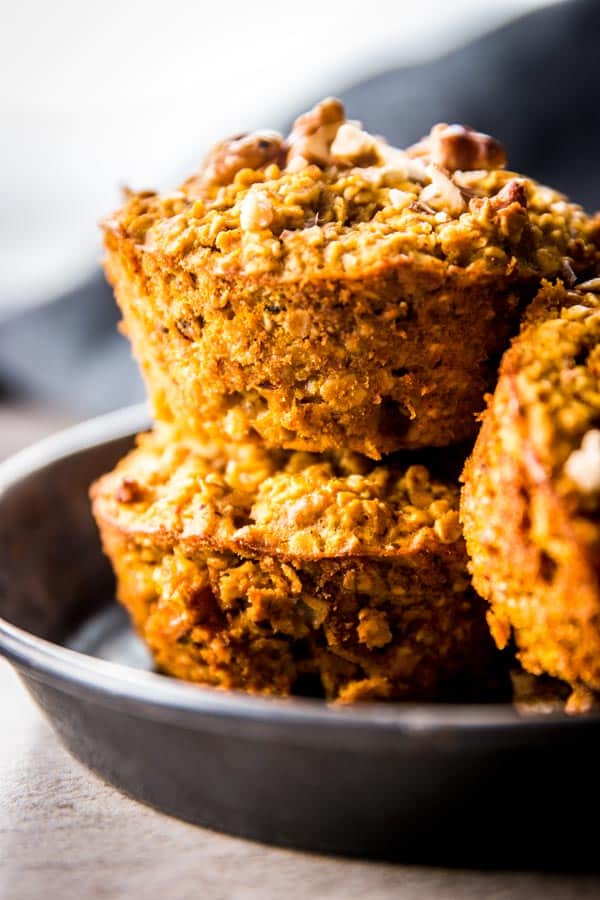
[[246, 151], [256, 211], [457, 147], [129, 491], [512, 192], [313, 133], [354, 147], [398, 163], [443, 194]]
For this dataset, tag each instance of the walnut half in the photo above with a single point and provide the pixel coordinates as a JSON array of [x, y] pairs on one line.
[[245, 151], [313, 133], [457, 147]]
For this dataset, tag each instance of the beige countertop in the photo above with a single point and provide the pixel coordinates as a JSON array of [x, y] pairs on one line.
[[66, 835]]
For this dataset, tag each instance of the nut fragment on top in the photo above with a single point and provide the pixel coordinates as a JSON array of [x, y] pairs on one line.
[[512, 192], [458, 147], [313, 133], [322, 136], [443, 193], [245, 151], [256, 211], [354, 147]]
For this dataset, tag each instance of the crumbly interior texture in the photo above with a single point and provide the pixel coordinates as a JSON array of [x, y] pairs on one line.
[[531, 497], [331, 291], [286, 572]]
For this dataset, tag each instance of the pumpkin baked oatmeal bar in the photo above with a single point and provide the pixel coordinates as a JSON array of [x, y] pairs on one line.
[[329, 291], [283, 572], [531, 497]]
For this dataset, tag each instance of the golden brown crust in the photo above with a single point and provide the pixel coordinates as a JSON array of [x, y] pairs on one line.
[[258, 569], [358, 303], [531, 502], [252, 361]]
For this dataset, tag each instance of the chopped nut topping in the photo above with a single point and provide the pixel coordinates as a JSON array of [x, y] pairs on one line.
[[443, 193], [398, 162], [246, 151], [129, 491], [313, 133], [297, 164], [512, 192], [399, 199], [340, 199], [583, 465], [354, 147], [256, 211], [455, 147]]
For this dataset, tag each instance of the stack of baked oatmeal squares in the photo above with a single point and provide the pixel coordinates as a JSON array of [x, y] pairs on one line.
[[318, 319]]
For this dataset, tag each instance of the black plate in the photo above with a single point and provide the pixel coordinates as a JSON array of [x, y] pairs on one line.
[[454, 784]]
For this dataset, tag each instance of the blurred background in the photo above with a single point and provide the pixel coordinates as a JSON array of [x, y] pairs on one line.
[[94, 96]]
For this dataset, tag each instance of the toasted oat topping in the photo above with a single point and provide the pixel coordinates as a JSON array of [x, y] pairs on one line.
[[335, 199], [298, 504], [558, 381]]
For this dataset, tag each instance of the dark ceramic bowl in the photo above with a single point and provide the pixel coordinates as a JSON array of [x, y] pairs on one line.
[[438, 783]]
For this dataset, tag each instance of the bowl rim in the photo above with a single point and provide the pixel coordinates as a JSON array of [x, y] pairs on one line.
[[157, 695]]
